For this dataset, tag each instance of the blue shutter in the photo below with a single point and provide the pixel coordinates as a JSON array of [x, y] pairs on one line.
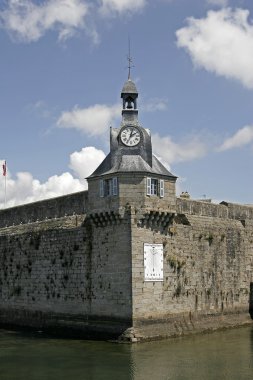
[[115, 186], [161, 188], [110, 189], [101, 188], [148, 186]]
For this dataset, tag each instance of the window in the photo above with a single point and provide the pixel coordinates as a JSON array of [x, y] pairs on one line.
[[155, 187], [108, 187]]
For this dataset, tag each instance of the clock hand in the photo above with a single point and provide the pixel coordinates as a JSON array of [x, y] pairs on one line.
[[131, 134], [134, 133]]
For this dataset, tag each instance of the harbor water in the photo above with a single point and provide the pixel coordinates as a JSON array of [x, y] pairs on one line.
[[219, 355]]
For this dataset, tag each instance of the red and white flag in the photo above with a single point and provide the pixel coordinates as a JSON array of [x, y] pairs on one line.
[[4, 169]]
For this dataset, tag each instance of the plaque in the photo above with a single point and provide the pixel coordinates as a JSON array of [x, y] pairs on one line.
[[153, 262]]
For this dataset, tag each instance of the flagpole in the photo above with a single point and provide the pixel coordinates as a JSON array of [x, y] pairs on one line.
[[5, 175], [5, 191]]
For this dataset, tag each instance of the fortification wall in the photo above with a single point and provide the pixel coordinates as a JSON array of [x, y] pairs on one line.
[[60, 268], [61, 273], [72, 204], [45, 267], [224, 210], [208, 269]]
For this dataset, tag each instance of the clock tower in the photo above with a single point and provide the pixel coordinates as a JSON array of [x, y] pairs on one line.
[[131, 206], [131, 174]]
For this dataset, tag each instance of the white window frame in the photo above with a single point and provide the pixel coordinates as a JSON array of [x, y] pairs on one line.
[[156, 188], [148, 186], [161, 190]]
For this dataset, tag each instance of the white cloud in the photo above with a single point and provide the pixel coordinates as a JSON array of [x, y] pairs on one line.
[[28, 21], [23, 188], [221, 43], [171, 152], [242, 137], [111, 7], [84, 163], [220, 3], [94, 120]]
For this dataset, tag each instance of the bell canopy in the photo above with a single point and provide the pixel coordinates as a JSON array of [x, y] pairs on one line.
[[129, 88]]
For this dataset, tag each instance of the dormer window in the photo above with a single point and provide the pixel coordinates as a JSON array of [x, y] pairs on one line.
[[108, 187], [155, 187]]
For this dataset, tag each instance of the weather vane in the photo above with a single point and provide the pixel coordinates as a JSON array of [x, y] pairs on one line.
[[129, 58]]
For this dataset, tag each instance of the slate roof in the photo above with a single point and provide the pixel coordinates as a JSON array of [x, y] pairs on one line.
[[131, 163], [129, 88]]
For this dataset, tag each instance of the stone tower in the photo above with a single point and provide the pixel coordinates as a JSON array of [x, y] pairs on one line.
[[129, 195], [131, 174]]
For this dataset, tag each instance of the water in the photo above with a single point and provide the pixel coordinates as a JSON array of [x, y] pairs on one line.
[[220, 355]]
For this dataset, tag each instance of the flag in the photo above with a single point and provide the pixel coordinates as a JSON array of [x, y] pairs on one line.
[[4, 169]]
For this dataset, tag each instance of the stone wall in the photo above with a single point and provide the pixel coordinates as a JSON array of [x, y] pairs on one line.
[[132, 190], [45, 266], [111, 267], [65, 264], [97, 203], [223, 210], [208, 266], [72, 204], [66, 273]]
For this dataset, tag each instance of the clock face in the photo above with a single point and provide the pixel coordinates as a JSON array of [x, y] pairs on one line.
[[130, 136]]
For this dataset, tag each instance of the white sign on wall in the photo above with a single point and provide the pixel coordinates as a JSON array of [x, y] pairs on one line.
[[153, 262]]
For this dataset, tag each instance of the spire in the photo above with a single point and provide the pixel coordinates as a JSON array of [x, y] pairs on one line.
[[130, 60], [129, 95]]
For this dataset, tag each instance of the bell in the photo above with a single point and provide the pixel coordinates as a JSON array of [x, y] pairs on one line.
[[129, 105]]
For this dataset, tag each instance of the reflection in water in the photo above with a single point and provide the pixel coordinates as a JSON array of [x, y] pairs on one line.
[[221, 355]]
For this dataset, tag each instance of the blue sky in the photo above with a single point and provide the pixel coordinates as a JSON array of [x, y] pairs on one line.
[[63, 64]]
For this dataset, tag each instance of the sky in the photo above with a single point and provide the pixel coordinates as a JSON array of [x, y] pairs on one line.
[[62, 67]]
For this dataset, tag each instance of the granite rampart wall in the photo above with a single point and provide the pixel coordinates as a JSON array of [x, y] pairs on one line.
[[66, 273], [59, 267], [71, 204], [223, 210], [208, 270]]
